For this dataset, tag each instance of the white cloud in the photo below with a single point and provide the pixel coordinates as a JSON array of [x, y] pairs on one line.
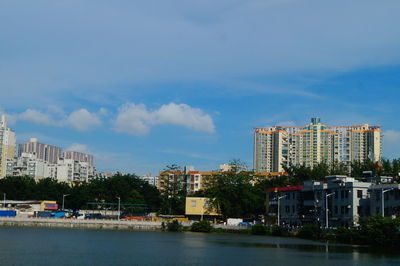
[[83, 120], [137, 120], [78, 147], [35, 116], [80, 120]]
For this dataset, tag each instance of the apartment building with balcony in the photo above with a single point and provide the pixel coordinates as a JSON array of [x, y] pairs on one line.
[[276, 147]]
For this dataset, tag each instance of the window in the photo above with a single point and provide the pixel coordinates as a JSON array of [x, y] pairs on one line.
[[359, 194], [346, 194], [336, 210], [287, 209], [342, 194], [342, 209], [336, 194], [193, 203]]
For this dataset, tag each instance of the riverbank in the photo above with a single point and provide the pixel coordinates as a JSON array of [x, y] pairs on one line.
[[98, 224], [81, 224]]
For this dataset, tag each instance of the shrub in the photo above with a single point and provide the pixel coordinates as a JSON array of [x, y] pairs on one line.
[[277, 230], [174, 226], [379, 231], [311, 231], [346, 235], [259, 229], [202, 226]]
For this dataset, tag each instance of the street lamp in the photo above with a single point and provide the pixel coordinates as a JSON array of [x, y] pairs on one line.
[[119, 207], [64, 195], [383, 200], [279, 198], [326, 209]]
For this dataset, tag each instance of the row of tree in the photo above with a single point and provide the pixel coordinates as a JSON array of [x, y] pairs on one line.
[[235, 194], [129, 188]]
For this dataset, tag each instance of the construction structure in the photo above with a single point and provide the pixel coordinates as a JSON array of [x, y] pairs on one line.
[[276, 147]]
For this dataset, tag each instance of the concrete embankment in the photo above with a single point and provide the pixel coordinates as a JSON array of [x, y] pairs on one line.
[[82, 224], [93, 224]]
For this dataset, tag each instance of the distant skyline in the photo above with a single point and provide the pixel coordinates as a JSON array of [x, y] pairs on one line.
[[141, 85]]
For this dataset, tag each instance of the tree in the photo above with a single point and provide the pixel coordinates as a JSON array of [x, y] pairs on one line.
[[174, 191], [236, 195]]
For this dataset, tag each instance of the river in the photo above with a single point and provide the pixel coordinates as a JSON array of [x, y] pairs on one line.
[[42, 246]]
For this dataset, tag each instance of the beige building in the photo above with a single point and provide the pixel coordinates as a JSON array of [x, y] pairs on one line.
[[7, 146], [314, 143], [199, 207]]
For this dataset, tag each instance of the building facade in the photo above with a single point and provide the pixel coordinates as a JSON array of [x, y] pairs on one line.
[[27, 164], [45, 152], [78, 156], [276, 147], [386, 198], [73, 172], [341, 199], [7, 146]]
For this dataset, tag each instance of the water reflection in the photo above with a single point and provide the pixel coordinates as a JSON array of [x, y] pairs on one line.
[[30, 246]]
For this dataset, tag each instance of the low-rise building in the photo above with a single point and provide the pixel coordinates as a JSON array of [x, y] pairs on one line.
[[152, 180], [199, 208], [344, 200], [386, 198]]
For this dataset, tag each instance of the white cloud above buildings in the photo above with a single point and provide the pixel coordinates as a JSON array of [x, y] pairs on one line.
[[130, 118], [83, 120], [79, 148], [80, 120], [136, 119], [35, 116]]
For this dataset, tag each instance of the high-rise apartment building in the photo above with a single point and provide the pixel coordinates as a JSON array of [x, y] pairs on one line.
[[78, 156], [45, 152], [314, 143], [7, 146]]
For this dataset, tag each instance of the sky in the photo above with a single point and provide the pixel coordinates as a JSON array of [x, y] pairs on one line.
[[145, 84]]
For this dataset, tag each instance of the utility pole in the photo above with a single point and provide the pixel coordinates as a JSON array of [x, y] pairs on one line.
[[119, 207], [4, 200], [326, 210], [64, 195], [383, 200], [279, 198]]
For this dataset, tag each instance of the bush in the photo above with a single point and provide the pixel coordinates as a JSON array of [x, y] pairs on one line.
[[346, 235], [379, 231], [259, 229], [311, 231], [174, 226], [202, 226], [277, 230]]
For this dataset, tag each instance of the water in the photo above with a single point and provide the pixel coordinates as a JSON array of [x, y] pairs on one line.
[[42, 246]]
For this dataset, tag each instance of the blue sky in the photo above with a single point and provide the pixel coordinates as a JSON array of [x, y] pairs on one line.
[[143, 84]]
